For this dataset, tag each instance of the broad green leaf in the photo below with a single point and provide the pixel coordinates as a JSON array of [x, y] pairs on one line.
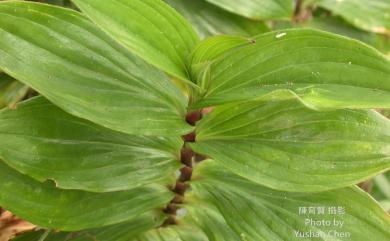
[[11, 90], [68, 210], [44, 142], [339, 26], [77, 67], [255, 212], [258, 9], [325, 70], [209, 20], [284, 145], [149, 28], [372, 15]]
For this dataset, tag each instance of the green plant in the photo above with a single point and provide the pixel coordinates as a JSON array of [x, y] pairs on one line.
[[122, 144]]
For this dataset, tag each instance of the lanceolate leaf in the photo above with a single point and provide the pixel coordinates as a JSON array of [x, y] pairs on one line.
[[43, 141], [149, 28], [325, 70], [373, 15], [286, 146], [76, 66], [209, 20], [11, 90], [258, 9], [68, 210], [254, 212]]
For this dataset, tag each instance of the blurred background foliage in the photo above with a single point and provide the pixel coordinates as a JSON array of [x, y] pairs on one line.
[[365, 20]]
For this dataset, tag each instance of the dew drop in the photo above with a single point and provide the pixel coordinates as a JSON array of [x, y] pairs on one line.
[[279, 35], [182, 212]]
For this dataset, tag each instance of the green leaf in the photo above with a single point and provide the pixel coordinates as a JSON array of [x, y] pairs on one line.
[[125, 231], [44, 142], [209, 20], [183, 232], [35, 236], [254, 212], [118, 232], [77, 67], [284, 145], [258, 9], [149, 28], [386, 205], [68, 210], [323, 69], [11, 90], [339, 26], [373, 15]]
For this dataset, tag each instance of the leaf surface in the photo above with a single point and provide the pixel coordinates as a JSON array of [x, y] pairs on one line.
[[258, 9], [323, 69], [284, 145], [373, 15], [209, 20], [79, 68], [44, 142], [118, 232], [149, 28], [339, 26], [69, 210], [254, 212]]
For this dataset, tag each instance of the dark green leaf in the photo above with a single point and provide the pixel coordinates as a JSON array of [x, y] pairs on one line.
[[258, 9], [68, 210], [149, 28], [41, 140], [76, 66], [35, 236], [323, 69], [286, 146], [209, 20]]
